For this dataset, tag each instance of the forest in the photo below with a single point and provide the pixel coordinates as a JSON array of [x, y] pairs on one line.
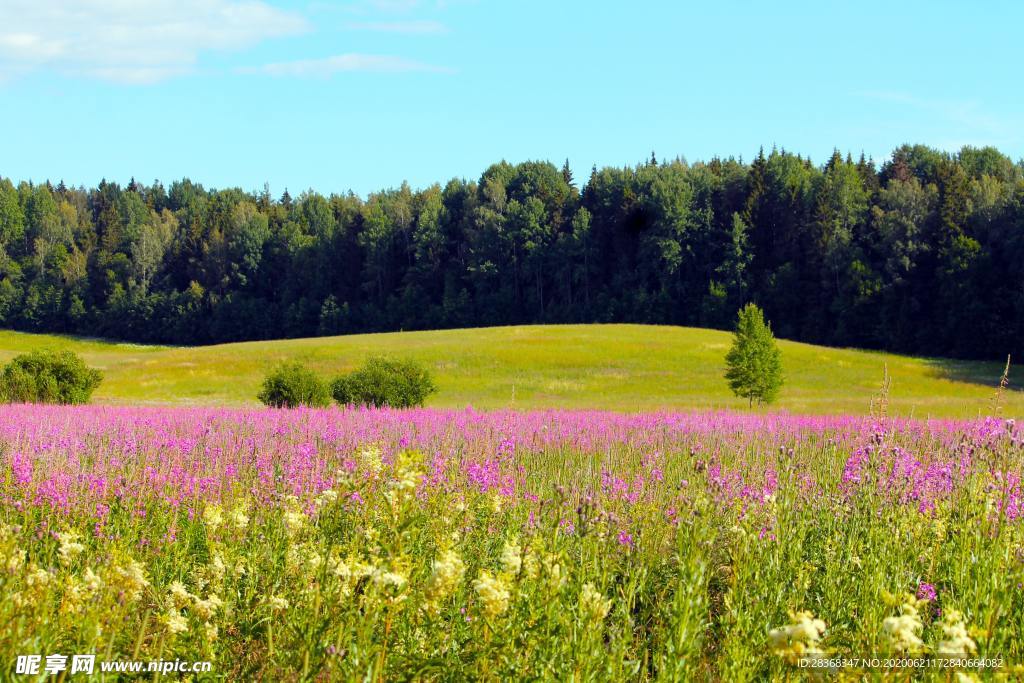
[[923, 254]]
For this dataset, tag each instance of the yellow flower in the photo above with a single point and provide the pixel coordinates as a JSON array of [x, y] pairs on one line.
[[303, 557], [511, 558], [493, 593], [532, 564], [407, 475], [326, 497], [905, 627], [390, 582], [15, 561], [369, 459], [70, 548], [239, 518], [593, 605], [208, 607], [449, 569], [556, 578], [956, 640], [180, 597], [495, 502], [74, 596], [217, 567], [130, 580], [91, 581], [213, 516], [37, 578], [800, 638], [339, 567], [294, 520]]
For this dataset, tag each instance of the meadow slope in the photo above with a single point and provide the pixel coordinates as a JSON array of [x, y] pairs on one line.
[[619, 367]]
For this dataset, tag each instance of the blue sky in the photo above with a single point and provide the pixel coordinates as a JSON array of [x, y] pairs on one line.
[[363, 95]]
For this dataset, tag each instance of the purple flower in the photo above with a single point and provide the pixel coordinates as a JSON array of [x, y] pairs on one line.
[[926, 591]]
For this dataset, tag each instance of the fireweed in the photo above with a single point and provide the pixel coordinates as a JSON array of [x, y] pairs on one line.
[[453, 545]]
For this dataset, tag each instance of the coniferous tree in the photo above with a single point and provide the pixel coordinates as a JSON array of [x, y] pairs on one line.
[[754, 361], [567, 174], [922, 255]]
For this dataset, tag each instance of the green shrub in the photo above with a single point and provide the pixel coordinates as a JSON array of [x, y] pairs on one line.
[[385, 382], [291, 385], [48, 377]]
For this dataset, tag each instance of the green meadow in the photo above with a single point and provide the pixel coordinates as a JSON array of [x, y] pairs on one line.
[[620, 367]]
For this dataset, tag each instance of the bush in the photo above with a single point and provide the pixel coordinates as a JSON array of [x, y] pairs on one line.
[[48, 377], [291, 385], [385, 382]]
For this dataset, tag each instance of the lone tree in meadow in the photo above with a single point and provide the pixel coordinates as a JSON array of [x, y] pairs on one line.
[[754, 361]]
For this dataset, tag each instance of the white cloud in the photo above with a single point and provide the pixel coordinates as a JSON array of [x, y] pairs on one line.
[[131, 41], [328, 66], [423, 27]]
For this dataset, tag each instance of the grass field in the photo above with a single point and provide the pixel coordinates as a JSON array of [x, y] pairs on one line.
[[620, 367]]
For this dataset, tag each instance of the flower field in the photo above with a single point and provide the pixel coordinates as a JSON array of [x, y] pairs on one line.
[[453, 545]]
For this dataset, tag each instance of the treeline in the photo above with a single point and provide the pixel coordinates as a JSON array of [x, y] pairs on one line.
[[924, 254]]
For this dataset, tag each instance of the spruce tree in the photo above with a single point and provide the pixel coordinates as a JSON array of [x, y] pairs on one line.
[[754, 362], [567, 174]]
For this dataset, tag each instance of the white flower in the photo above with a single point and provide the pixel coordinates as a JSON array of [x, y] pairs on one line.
[[90, 581], [956, 641], [277, 603], [904, 629], [180, 596], [388, 579], [175, 622]]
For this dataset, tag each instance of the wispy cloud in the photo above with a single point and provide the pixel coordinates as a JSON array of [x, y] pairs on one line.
[[385, 7], [352, 62], [131, 41], [423, 27], [394, 5], [977, 126]]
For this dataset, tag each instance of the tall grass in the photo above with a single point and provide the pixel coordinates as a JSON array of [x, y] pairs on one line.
[[455, 545]]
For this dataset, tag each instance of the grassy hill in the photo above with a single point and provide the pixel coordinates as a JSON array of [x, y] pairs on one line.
[[621, 367]]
